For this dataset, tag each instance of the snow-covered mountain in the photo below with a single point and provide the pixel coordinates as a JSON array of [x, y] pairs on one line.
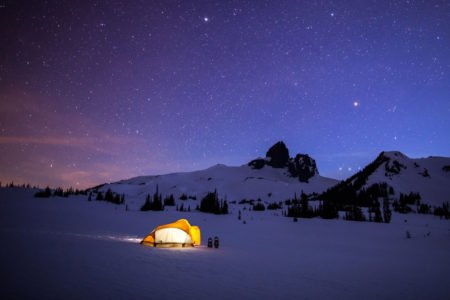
[[276, 177], [430, 177]]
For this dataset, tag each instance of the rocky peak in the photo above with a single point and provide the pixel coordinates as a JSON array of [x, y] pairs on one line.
[[278, 155], [302, 166], [393, 155]]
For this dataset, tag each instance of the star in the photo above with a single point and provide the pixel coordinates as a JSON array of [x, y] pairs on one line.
[[206, 19], [332, 14], [356, 103]]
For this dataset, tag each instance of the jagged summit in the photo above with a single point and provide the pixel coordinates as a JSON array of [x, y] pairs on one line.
[[394, 155], [302, 166], [428, 177], [278, 155]]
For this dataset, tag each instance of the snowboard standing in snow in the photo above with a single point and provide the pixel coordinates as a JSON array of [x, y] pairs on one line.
[[216, 242], [209, 242]]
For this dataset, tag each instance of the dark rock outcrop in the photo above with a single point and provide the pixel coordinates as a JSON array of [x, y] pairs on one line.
[[278, 155], [302, 166], [258, 163]]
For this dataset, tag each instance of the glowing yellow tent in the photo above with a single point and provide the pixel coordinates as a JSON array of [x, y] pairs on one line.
[[177, 234]]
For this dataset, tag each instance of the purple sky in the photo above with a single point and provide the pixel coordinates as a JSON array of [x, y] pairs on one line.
[[105, 90]]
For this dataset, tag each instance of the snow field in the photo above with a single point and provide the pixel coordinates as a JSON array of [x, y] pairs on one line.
[[57, 247]]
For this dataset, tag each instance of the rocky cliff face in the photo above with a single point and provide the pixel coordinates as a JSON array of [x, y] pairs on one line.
[[278, 155], [302, 166]]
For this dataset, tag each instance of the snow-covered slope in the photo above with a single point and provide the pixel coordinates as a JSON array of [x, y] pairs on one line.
[[232, 183], [266, 181], [57, 248], [428, 176]]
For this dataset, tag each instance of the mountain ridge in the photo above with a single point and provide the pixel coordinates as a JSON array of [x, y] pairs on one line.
[[278, 177]]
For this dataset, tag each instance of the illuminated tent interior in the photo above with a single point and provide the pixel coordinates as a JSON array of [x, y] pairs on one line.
[[177, 234]]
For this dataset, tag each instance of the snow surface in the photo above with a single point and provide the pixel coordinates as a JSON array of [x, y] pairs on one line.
[[434, 189], [72, 248], [232, 184]]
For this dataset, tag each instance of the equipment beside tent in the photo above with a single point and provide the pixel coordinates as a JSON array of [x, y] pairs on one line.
[[177, 234]]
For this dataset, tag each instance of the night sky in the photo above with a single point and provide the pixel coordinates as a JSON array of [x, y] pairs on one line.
[[97, 91]]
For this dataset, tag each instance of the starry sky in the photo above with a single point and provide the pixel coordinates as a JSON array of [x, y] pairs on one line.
[[97, 91]]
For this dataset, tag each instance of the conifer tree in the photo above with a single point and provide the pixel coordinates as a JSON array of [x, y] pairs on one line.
[[210, 203], [147, 205], [377, 218], [99, 196], [387, 213]]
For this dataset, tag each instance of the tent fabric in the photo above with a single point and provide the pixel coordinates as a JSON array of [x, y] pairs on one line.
[[172, 235], [176, 234]]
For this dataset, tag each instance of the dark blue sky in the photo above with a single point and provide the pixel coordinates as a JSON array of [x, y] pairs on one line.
[[105, 90]]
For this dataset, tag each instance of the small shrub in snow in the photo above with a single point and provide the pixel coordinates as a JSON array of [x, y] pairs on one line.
[[259, 207], [43, 194], [442, 212], [424, 209], [274, 206], [425, 173]]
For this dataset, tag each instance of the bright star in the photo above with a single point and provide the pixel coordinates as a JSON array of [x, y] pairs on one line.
[[206, 19], [332, 14], [356, 103]]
